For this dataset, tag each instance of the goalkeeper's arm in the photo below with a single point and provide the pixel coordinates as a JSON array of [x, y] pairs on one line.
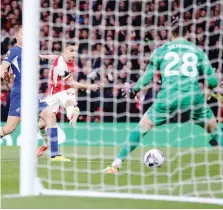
[[145, 79], [210, 78]]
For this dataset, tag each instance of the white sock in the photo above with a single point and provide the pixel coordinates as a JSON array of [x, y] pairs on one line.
[[117, 162], [71, 109], [44, 137]]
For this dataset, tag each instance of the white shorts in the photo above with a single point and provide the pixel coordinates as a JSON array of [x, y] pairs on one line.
[[60, 99]]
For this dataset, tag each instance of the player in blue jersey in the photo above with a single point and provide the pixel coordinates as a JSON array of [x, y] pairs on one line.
[[13, 63]]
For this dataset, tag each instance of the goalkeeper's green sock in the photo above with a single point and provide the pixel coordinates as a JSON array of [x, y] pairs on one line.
[[131, 143], [217, 136]]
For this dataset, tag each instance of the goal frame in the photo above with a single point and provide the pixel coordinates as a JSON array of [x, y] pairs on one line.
[[29, 182], [30, 52]]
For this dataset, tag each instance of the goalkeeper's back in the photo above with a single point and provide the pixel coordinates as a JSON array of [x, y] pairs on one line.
[[182, 64]]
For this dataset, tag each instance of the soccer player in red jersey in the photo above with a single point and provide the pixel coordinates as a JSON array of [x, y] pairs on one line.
[[62, 87]]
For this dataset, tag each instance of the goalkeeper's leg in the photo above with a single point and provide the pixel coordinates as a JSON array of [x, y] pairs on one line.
[[131, 143], [216, 131], [205, 118]]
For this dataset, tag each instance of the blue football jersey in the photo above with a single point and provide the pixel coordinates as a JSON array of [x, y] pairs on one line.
[[14, 58]]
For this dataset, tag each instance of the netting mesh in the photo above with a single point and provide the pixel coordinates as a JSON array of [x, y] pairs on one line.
[[116, 39]]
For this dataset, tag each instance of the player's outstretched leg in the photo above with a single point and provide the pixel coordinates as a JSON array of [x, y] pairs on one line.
[[131, 143], [72, 112], [10, 126], [52, 133], [212, 127]]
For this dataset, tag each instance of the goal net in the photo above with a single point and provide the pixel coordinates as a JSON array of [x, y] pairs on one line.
[[116, 39]]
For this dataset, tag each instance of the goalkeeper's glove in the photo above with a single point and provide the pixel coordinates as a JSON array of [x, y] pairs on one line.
[[127, 89]]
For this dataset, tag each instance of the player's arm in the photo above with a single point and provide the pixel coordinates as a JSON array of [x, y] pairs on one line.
[[10, 55], [66, 76], [146, 78], [78, 85], [48, 57], [207, 71], [4, 71], [61, 69], [63, 72], [151, 69]]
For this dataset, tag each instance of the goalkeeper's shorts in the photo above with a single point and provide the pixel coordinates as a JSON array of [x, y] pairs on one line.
[[159, 114]]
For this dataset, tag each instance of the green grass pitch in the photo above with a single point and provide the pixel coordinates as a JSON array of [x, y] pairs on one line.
[[74, 175]]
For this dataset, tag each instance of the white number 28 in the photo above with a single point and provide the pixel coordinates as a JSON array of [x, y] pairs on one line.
[[189, 60]]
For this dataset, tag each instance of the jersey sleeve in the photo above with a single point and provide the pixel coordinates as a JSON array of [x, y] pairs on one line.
[[207, 71], [149, 73], [155, 58], [10, 56], [61, 69]]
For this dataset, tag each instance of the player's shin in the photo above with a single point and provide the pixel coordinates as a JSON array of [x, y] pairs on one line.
[[52, 133], [131, 143], [44, 136], [46, 144]]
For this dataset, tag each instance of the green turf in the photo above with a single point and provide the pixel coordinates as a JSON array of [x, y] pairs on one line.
[[96, 203], [83, 173]]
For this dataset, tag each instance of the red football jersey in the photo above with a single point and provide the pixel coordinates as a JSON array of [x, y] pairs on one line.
[[61, 71]]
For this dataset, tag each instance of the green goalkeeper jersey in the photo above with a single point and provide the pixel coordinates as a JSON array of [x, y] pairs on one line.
[[181, 64]]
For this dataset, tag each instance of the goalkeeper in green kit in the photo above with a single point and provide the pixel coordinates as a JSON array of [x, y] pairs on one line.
[[181, 64]]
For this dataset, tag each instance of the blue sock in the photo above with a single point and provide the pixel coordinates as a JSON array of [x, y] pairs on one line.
[[53, 136]]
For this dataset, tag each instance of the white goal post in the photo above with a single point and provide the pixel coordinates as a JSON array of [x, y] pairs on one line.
[[30, 52], [122, 38]]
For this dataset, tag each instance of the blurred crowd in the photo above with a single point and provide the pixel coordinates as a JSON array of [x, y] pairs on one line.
[[115, 40]]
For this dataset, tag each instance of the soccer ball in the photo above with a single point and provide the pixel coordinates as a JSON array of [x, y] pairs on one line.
[[154, 158]]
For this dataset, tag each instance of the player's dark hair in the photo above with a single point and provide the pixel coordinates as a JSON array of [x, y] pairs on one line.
[[178, 29], [70, 43]]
